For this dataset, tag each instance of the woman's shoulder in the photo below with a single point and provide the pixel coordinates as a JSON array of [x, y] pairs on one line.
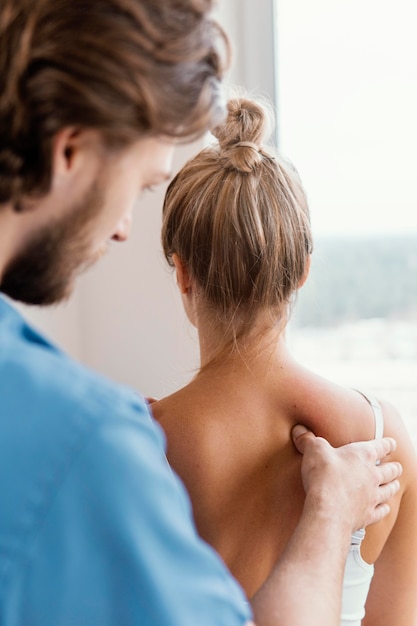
[[339, 414], [343, 415]]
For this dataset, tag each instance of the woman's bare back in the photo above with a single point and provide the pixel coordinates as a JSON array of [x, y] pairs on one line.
[[228, 437]]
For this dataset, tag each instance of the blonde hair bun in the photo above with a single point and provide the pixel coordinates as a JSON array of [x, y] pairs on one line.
[[241, 137]]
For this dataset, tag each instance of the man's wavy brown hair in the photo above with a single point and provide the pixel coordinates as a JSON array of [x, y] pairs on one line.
[[127, 68]]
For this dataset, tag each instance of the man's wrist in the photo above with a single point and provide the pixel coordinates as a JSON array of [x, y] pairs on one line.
[[323, 511]]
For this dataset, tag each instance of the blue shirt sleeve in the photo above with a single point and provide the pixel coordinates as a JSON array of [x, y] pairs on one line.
[[118, 546]]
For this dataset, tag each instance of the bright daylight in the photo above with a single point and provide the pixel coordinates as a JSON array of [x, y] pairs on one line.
[[347, 97]]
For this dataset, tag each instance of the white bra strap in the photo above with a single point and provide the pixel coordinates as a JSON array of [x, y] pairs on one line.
[[378, 415]]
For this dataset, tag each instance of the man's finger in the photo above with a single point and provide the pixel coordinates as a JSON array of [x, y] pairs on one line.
[[384, 447], [389, 471], [381, 511], [386, 492], [300, 435]]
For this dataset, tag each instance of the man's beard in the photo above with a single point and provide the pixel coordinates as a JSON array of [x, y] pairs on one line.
[[44, 272]]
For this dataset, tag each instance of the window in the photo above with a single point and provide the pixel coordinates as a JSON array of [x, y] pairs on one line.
[[346, 100]]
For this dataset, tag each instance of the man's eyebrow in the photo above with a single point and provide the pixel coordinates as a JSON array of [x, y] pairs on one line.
[[160, 177]]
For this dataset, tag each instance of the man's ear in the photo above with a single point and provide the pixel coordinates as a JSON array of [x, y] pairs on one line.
[[306, 272], [182, 274], [71, 148], [64, 147]]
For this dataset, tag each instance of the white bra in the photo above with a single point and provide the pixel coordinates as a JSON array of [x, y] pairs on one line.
[[358, 574]]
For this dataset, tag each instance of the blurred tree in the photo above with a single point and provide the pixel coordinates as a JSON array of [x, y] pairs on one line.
[[356, 278]]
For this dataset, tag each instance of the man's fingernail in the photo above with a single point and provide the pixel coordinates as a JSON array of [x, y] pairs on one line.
[[299, 430]]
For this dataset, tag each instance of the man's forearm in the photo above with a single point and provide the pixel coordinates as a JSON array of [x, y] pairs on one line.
[[304, 589]]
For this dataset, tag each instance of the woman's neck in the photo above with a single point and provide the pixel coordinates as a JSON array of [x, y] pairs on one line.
[[263, 345]]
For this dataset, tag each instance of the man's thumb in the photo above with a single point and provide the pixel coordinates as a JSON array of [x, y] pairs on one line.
[[300, 435]]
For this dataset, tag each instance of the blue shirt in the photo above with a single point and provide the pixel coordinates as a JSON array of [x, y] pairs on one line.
[[95, 529]]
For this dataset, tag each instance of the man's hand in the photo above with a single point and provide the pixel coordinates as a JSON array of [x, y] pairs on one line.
[[348, 481], [345, 490]]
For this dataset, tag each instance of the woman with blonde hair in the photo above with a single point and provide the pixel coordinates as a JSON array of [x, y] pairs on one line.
[[236, 228]]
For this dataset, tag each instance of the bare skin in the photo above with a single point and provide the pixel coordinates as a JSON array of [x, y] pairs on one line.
[[229, 438]]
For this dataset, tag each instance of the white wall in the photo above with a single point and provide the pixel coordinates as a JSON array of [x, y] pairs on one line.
[[125, 317]]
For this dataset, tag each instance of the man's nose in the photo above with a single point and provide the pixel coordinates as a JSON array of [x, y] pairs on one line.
[[123, 229]]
